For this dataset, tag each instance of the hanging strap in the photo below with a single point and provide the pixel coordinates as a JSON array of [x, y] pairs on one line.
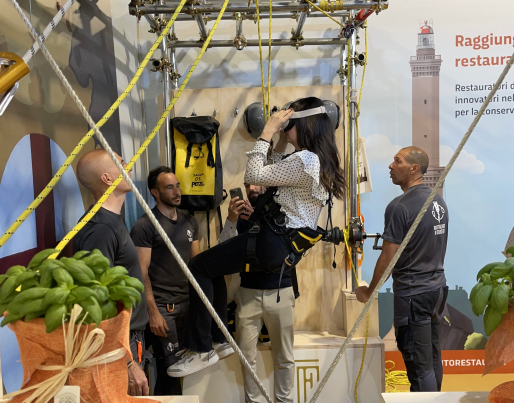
[[329, 219], [210, 155], [188, 156], [294, 280], [218, 209], [208, 231]]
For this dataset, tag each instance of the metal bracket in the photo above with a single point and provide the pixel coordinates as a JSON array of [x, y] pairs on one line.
[[160, 65], [240, 42]]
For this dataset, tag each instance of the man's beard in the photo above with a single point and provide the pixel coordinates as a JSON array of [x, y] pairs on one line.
[[171, 202], [252, 198]]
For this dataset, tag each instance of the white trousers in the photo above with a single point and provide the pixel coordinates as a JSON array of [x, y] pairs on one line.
[[254, 307]]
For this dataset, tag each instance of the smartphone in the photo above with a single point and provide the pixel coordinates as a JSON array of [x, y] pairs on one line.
[[237, 192]]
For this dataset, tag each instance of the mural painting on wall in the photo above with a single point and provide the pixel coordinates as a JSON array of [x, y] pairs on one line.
[[42, 125], [430, 91]]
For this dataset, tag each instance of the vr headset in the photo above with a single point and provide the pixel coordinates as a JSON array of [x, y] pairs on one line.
[[288, 125]]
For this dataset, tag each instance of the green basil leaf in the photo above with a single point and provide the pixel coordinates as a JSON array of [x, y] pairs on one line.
[[109, 310], [62, 277], [55, 296], [481, 299], [475, 290], [486, 278], [82, 293], [97, 263], [10, 318], [79, 271], [40, 257], [34, 305], [7, 288], [2, 278], [34, 315], [102, 293], [127, 292], [134, 283], [487, 269], [500, 298], [93, 309], [15, 270], [500, 271], [79, 255], [22, 277], [492, 320], [112, 275], [31, 283], [53, 317], [510, 251]]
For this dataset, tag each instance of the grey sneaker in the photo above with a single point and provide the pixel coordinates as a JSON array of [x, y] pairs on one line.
[[191, 362], [223, 349]]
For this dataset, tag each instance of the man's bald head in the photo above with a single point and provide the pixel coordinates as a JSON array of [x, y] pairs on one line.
[[96, 172], [415, 155]]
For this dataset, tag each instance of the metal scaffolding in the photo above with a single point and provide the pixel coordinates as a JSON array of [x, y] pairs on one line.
[[351, 13]]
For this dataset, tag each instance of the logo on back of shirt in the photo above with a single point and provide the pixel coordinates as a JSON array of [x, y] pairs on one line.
[[438, 214], [190, 235]]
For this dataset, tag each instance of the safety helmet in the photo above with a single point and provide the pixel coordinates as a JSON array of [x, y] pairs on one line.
[[253, 119]]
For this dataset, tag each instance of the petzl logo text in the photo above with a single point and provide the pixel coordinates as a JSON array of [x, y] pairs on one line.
[[437, 211]]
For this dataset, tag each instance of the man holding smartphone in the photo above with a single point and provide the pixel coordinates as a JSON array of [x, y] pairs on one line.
[[257, 303]]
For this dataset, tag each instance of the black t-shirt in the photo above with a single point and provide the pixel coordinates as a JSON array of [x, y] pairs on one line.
[[106, 231], [420, 267], [169, 283], [260, 280]]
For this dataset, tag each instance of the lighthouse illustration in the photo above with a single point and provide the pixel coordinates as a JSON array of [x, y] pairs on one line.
[[425, 68]]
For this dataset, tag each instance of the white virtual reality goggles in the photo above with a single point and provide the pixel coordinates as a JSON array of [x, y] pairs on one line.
[[288, 125]]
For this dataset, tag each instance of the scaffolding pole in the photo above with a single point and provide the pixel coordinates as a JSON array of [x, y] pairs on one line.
[[244, 8], [352, 126], [255, 42]]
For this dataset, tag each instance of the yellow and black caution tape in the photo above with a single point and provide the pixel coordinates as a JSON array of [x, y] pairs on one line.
[[395, 378], [48, 188], [145, 144]]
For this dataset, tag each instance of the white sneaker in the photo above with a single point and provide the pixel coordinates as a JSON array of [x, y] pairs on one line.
[[223, 349], [192, 362]]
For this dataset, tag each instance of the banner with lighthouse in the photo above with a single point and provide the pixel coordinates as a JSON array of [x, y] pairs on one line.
[[430, 66]]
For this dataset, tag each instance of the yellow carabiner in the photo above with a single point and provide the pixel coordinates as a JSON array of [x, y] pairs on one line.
[[10, 75]]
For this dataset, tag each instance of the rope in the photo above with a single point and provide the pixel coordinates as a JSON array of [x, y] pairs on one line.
[[269, 60], [359, 211], [49, 28], [48, 188], [140, 198], [412, 229], [260, 60], [395, 378]]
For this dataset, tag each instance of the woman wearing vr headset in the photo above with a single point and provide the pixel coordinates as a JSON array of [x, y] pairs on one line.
[[304, 179]]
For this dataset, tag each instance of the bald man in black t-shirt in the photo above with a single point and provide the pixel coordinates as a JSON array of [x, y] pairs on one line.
[[419, 283], [107, 232]]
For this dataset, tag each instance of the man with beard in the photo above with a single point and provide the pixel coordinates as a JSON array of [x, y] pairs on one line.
[[166, 286], [257, 303]]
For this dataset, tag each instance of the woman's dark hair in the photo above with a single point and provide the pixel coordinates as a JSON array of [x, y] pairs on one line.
[[316, 134]]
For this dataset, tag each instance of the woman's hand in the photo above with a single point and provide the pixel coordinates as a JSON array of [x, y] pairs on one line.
[[274, 123]]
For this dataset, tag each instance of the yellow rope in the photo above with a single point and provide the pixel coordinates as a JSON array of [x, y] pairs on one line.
[[48, 188], [260, 59], [328, 15], [139, 152], [395, 378], [269, 60]]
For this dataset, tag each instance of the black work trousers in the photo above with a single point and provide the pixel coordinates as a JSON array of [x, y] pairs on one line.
[[166, 348], [209, 269], [417, 321]]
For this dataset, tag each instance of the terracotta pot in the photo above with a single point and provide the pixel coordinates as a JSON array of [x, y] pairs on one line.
[[100, 383]]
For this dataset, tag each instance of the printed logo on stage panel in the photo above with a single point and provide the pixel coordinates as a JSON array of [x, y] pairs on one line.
[[307, 377]]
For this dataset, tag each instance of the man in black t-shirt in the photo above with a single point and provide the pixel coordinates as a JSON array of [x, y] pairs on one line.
[[166, 286], [256, 301], [107, 232], [419, 283]]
